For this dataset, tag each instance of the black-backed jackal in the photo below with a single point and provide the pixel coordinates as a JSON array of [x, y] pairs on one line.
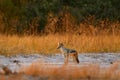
[[68, 53]]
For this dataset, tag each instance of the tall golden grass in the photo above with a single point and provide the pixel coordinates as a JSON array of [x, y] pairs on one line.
[[48, 44]]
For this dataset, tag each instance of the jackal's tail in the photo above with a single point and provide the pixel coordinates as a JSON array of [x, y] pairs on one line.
[[76, 58]]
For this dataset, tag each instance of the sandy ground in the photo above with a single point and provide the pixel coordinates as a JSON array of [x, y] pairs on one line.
[[16, 62]]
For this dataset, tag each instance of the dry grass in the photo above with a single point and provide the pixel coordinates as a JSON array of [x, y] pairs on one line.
[[47, 44], [90, 71], [39, 71]]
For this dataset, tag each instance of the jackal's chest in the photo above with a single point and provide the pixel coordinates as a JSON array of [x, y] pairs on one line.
[[63, 50]]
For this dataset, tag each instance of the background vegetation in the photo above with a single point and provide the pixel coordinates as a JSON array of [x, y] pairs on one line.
[[36, 26], [36, 17]]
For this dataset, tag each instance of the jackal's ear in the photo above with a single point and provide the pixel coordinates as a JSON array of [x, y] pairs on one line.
[[60, 43]]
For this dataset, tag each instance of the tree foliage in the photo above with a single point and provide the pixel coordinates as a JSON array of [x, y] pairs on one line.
[[30, 16]]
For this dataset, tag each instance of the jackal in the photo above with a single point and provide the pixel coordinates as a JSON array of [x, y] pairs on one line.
[[68, 53]]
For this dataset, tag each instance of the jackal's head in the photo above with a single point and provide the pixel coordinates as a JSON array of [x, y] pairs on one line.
[[60, 45]]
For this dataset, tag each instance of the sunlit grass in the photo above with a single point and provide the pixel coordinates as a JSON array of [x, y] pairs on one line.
[[48, 44], [43, 71], [71, 72]]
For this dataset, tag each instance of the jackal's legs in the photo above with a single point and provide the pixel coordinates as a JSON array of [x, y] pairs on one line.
[[66, 60]]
